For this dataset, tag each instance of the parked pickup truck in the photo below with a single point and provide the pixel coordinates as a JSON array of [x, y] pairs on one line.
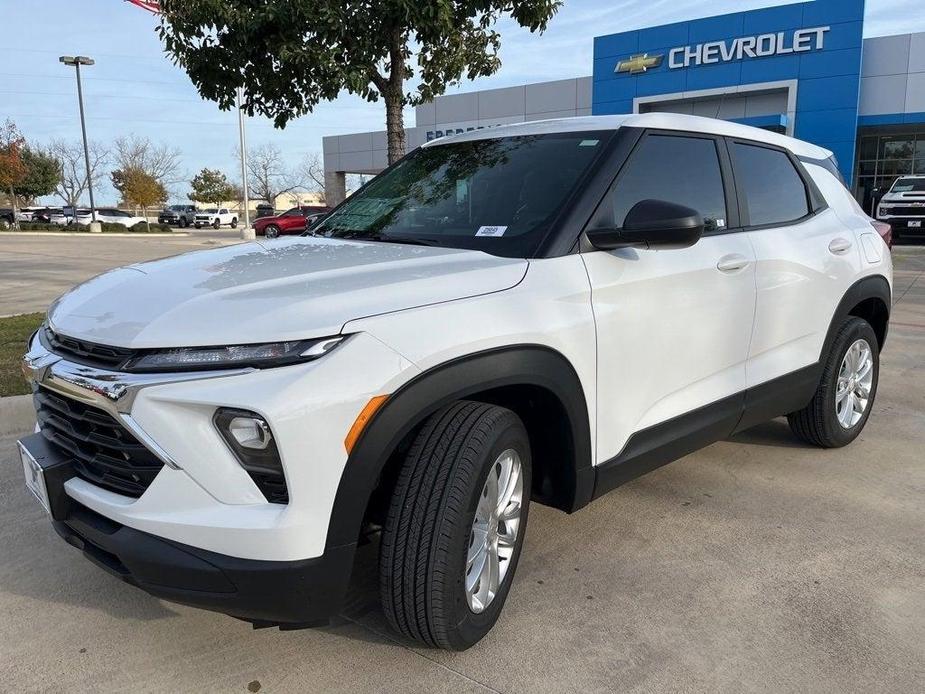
[[216, 217], [533, 313], [904, 206]]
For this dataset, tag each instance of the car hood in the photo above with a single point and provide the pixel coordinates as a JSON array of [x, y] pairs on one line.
[[912, 196], [296, 288]]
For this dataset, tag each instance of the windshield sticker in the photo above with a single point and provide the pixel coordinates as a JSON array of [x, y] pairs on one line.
[[491, 231], [588, 143]]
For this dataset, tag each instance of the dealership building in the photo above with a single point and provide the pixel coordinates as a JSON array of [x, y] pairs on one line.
[[803, 69]]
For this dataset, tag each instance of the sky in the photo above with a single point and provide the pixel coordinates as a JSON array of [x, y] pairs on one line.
[[135, 89]]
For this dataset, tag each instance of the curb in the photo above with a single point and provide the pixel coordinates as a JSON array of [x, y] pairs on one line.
[[17, 417]]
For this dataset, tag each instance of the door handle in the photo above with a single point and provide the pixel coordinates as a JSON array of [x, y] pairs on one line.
[[839, 246], [732, 263]]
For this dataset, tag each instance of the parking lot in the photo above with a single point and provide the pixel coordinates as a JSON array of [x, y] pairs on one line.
[[757, 564], [36, 268]]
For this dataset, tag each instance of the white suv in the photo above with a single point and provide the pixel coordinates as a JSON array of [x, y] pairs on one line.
[[903, 206], [215, 217], [537, 312]]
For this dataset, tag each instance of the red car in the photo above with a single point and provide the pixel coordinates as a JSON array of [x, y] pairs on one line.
[[293, 221]]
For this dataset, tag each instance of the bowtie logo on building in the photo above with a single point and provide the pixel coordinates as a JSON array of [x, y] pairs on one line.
[[639, 63]]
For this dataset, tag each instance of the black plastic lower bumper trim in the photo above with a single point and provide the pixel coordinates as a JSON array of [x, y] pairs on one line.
[[289, 594], [303, 593]]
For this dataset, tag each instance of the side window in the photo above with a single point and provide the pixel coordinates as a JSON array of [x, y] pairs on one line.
[[682, 170], [774, 191]]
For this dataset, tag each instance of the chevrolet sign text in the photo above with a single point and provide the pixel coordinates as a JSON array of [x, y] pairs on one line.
[[781, 43]]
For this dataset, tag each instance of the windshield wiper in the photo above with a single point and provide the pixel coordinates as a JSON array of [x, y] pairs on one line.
[[409, 240]]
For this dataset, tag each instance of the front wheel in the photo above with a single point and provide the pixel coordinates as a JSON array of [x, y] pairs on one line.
[[216, 223], [845, 395], [455, 526], [272, 231]]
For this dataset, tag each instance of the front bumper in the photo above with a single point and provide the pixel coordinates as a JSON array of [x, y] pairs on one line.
[[904, 223], [286, 593]]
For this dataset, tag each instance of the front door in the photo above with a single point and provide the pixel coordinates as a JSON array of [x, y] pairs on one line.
[[673, 326]]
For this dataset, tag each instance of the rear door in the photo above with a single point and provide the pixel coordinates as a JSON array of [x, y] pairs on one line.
[[806, 261], [673, 326]]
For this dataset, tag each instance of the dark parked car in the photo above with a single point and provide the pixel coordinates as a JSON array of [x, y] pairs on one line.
[[293, 221], [177, 215], [265, 210]]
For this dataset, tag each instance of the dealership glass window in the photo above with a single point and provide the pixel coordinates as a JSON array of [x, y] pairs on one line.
[[683, 170], [774, 191], [881, 159], [896, 147]]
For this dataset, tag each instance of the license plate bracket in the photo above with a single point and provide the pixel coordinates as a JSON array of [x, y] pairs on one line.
[[46, 469]]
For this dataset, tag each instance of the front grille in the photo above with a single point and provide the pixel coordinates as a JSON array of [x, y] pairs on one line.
[[88, 353], [906, 211], [104, 452]]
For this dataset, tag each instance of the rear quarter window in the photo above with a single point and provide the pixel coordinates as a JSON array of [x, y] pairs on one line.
[[773, 190]]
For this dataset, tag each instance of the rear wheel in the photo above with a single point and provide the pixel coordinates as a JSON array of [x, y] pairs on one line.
[[234, 223], [456, 524], [272, 231], [841, 406]]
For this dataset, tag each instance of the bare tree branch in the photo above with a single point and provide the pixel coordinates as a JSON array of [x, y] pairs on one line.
[[267, 175], [70, 156], [161, 162]]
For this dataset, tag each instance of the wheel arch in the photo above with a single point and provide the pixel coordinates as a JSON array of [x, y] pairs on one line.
[[868, 298], [538, 383]]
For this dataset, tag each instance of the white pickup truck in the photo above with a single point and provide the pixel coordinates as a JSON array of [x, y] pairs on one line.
[[215, 217]]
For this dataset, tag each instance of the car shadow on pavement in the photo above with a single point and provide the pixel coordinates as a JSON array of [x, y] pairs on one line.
[[775, 433]]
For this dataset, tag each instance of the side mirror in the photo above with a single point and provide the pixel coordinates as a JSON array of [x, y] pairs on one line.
[[653, 224]]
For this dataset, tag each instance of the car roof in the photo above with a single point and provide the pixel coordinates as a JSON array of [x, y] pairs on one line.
[[656, 121]]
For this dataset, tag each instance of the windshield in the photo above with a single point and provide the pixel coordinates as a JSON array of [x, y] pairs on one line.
[[498, 195], [909, 185]]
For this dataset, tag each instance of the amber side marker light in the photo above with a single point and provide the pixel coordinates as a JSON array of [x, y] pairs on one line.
[[362, 420]]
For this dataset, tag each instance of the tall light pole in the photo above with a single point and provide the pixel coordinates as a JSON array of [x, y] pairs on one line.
[[246, 232], [76, 62]]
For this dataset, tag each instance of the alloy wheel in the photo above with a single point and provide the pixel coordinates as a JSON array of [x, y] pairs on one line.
[[495, 529]]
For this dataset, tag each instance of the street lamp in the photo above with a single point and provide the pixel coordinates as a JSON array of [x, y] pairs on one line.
[[76, 62]]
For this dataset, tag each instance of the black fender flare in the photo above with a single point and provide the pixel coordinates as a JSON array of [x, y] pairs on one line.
[[872, 287], [532, 365]]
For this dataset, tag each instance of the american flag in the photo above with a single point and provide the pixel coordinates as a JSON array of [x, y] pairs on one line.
[[150, 5]]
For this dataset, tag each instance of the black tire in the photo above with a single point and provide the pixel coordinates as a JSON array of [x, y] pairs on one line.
[[216, 223], [183, 223], [198, 226], [817, 423], [272, 231], [234, 222], [425, 541]]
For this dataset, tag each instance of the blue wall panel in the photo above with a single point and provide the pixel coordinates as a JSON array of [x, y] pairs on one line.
[[828, 79]]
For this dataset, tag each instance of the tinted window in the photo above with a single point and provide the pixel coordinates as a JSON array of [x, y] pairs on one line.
[[774, 191], [682, 170], [498, 195]]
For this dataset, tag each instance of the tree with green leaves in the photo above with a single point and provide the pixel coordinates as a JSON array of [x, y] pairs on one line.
[[139, 188], [288, 55], [212, 186], [43, 171]]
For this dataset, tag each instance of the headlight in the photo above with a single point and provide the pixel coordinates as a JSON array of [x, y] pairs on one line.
[[259, 356]]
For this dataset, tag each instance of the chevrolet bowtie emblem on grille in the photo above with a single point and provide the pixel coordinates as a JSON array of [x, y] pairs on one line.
[[639, 63]]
